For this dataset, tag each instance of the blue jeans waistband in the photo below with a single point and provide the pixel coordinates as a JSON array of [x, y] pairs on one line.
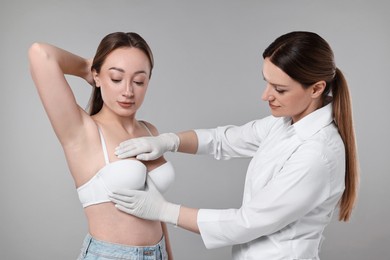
[[97, 249]]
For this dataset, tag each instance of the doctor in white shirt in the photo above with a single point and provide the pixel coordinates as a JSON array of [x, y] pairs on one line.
[[304, 160]]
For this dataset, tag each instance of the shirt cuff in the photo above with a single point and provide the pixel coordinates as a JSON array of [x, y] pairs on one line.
[[205, 141], [209, 228]]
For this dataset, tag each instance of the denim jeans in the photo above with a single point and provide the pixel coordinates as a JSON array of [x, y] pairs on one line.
[[94, 249]]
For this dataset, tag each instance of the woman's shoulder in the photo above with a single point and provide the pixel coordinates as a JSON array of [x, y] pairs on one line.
[[152, 129]]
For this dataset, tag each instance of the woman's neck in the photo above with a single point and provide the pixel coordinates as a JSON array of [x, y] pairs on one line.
[[107, 117]]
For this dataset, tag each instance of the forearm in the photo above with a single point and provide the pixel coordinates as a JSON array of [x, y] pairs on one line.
[[188, 219], [42, 54], [188, 142]]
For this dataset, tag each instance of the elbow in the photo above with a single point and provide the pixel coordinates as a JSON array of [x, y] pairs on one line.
[[34, 49], [37, 51]]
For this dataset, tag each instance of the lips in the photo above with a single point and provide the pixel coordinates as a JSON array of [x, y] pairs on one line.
[[272, 106], [126, 104]]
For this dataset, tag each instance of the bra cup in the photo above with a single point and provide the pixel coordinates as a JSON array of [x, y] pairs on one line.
[[163, 176], [128, 174]]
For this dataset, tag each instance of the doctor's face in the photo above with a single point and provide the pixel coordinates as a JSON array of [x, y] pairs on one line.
[[286, 97]]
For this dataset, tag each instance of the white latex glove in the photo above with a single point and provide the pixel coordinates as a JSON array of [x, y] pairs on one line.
[[148, 204], [149, 147]]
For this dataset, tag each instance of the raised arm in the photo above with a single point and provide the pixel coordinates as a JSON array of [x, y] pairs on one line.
[[48, 66]]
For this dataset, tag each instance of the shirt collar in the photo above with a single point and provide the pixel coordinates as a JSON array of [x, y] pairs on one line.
[[313, 122]]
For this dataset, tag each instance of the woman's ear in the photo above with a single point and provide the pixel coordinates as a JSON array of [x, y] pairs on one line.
[[96, 78], [318, 89]]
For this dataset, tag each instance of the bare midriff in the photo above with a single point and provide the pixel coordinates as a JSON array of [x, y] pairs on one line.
[[109, 224]]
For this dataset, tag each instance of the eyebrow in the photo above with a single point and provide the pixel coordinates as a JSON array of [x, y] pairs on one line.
[[123, 71], [274, 84], [118, 69]]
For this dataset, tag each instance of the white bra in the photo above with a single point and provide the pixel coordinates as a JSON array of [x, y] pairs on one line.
[[126, 173]]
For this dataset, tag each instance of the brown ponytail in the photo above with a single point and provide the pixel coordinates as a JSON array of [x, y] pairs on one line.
[[342, 112]]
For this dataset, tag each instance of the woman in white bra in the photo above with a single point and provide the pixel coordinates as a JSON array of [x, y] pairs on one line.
[[120, 74]]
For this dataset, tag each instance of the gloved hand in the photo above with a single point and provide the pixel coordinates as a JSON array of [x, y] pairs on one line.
[[148, 148], [148, 204]]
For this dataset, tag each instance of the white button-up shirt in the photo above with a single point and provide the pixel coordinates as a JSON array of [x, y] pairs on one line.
[[293, 184]]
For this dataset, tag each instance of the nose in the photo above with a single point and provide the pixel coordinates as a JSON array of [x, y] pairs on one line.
[[267, 94], [128, 91]]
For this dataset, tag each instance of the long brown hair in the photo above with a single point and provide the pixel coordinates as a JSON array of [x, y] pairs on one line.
[[108, 44], [308, 58]]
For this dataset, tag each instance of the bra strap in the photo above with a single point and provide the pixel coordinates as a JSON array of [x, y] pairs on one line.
[[104, 147], [146, 127]]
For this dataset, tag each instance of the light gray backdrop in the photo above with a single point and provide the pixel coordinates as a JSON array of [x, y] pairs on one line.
[[207, 73]]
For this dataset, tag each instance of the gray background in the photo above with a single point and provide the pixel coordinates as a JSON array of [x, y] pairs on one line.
[[207, 73]]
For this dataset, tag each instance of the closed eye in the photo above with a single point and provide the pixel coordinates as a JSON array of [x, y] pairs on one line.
[[280, 91], [139, 83]]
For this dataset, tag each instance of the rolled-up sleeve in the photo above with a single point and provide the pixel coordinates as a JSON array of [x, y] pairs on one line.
[[230, 141]]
